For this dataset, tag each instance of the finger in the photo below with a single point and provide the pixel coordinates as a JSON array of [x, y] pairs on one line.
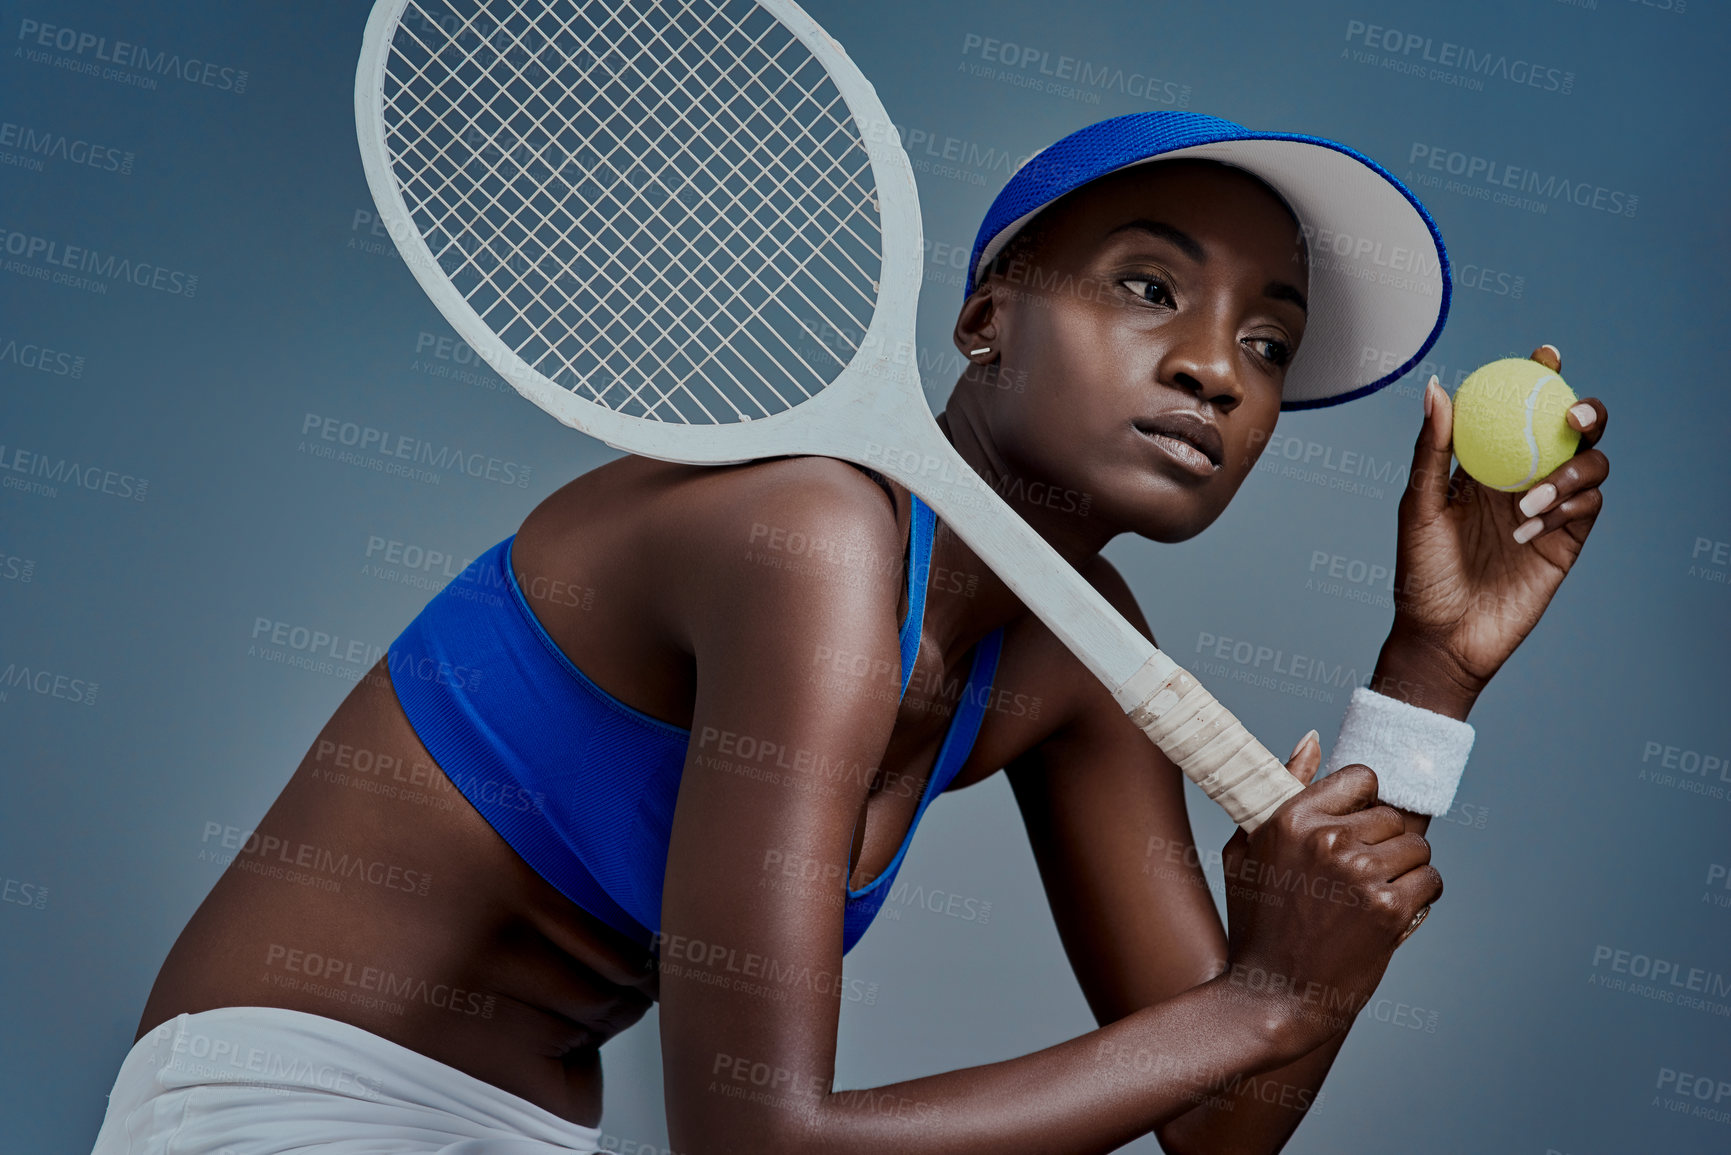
[[1417, 888], [1346, 791], [1405, 852], [1427, 489], [1581, 472], [1587, 417], [1576, 514], [1306, 758], [1376, 824]]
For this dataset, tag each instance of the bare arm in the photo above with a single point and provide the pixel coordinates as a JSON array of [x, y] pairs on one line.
[[749, 1017], [1106, 817]]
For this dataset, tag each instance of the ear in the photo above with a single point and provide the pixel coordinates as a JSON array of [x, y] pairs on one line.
[[978, 327]]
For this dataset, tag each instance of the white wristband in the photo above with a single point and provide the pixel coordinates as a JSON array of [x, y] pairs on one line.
[[1418, 754]]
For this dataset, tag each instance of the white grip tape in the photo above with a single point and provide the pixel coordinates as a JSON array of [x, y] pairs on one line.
[[1211, 746]]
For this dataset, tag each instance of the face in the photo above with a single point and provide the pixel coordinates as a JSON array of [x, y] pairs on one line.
[[1168, 293]]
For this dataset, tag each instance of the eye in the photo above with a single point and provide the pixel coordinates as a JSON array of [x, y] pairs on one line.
[[1151, 290], [1273, 350]]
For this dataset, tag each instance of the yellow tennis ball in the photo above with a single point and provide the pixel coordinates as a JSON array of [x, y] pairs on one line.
[[1510, 428]]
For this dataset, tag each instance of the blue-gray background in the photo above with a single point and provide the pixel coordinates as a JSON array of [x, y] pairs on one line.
[[1592, 819]]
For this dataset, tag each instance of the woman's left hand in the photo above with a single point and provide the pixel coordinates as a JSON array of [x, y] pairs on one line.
[[1475, 567]]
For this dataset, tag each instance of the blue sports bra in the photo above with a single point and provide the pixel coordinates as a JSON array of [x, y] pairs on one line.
[[579, 784]]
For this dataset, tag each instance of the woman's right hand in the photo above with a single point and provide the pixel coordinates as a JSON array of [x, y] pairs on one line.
[[1319, 897]]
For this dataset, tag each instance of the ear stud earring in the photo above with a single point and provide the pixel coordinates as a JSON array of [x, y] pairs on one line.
[[981, 349]]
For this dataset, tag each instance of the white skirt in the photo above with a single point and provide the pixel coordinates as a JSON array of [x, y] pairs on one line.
[[263, 1080]]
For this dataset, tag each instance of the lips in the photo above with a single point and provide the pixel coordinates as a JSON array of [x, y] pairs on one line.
[[1188, 427]]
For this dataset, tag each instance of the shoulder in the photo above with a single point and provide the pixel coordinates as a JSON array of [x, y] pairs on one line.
[[801, 538]]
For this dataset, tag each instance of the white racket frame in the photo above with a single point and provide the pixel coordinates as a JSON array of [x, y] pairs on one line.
[[874, 413]]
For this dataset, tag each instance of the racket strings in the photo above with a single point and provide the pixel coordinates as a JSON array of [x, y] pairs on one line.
[[667, 211], [721, 215], [670, 160]]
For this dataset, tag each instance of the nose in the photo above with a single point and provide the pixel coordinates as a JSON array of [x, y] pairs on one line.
[[1203, 358]]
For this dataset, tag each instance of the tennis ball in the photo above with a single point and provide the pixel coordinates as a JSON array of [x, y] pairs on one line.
[[1509, 427]]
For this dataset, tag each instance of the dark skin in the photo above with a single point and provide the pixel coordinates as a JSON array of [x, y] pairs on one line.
[[687, 624]]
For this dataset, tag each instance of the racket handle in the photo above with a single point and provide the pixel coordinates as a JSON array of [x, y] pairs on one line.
[[1212, 747]]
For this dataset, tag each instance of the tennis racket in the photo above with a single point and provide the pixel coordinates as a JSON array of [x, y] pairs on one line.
[[688, 228]]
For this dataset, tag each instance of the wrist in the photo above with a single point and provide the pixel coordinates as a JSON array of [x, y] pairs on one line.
[[1417, 671], [1260, 1006]]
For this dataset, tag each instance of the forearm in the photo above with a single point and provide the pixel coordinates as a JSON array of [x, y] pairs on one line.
[[1093, 1093], [1254, 1114], [1260, 1114]]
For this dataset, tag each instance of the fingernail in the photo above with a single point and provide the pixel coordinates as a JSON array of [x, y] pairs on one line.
[[1529, 530], [1538, 499], [1584, 413], [1312, 736], [1429, 397]]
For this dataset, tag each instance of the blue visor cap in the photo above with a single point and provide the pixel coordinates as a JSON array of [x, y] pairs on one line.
[[1379, 276]]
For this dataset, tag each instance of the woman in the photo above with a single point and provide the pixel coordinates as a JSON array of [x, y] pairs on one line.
[[660, 754]]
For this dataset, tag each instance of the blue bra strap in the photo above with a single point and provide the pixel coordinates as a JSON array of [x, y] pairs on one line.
[[862, 905], [919, 568]]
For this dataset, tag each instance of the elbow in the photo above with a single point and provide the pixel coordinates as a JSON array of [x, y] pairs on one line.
[[1177, 1137], [780, 1130]]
